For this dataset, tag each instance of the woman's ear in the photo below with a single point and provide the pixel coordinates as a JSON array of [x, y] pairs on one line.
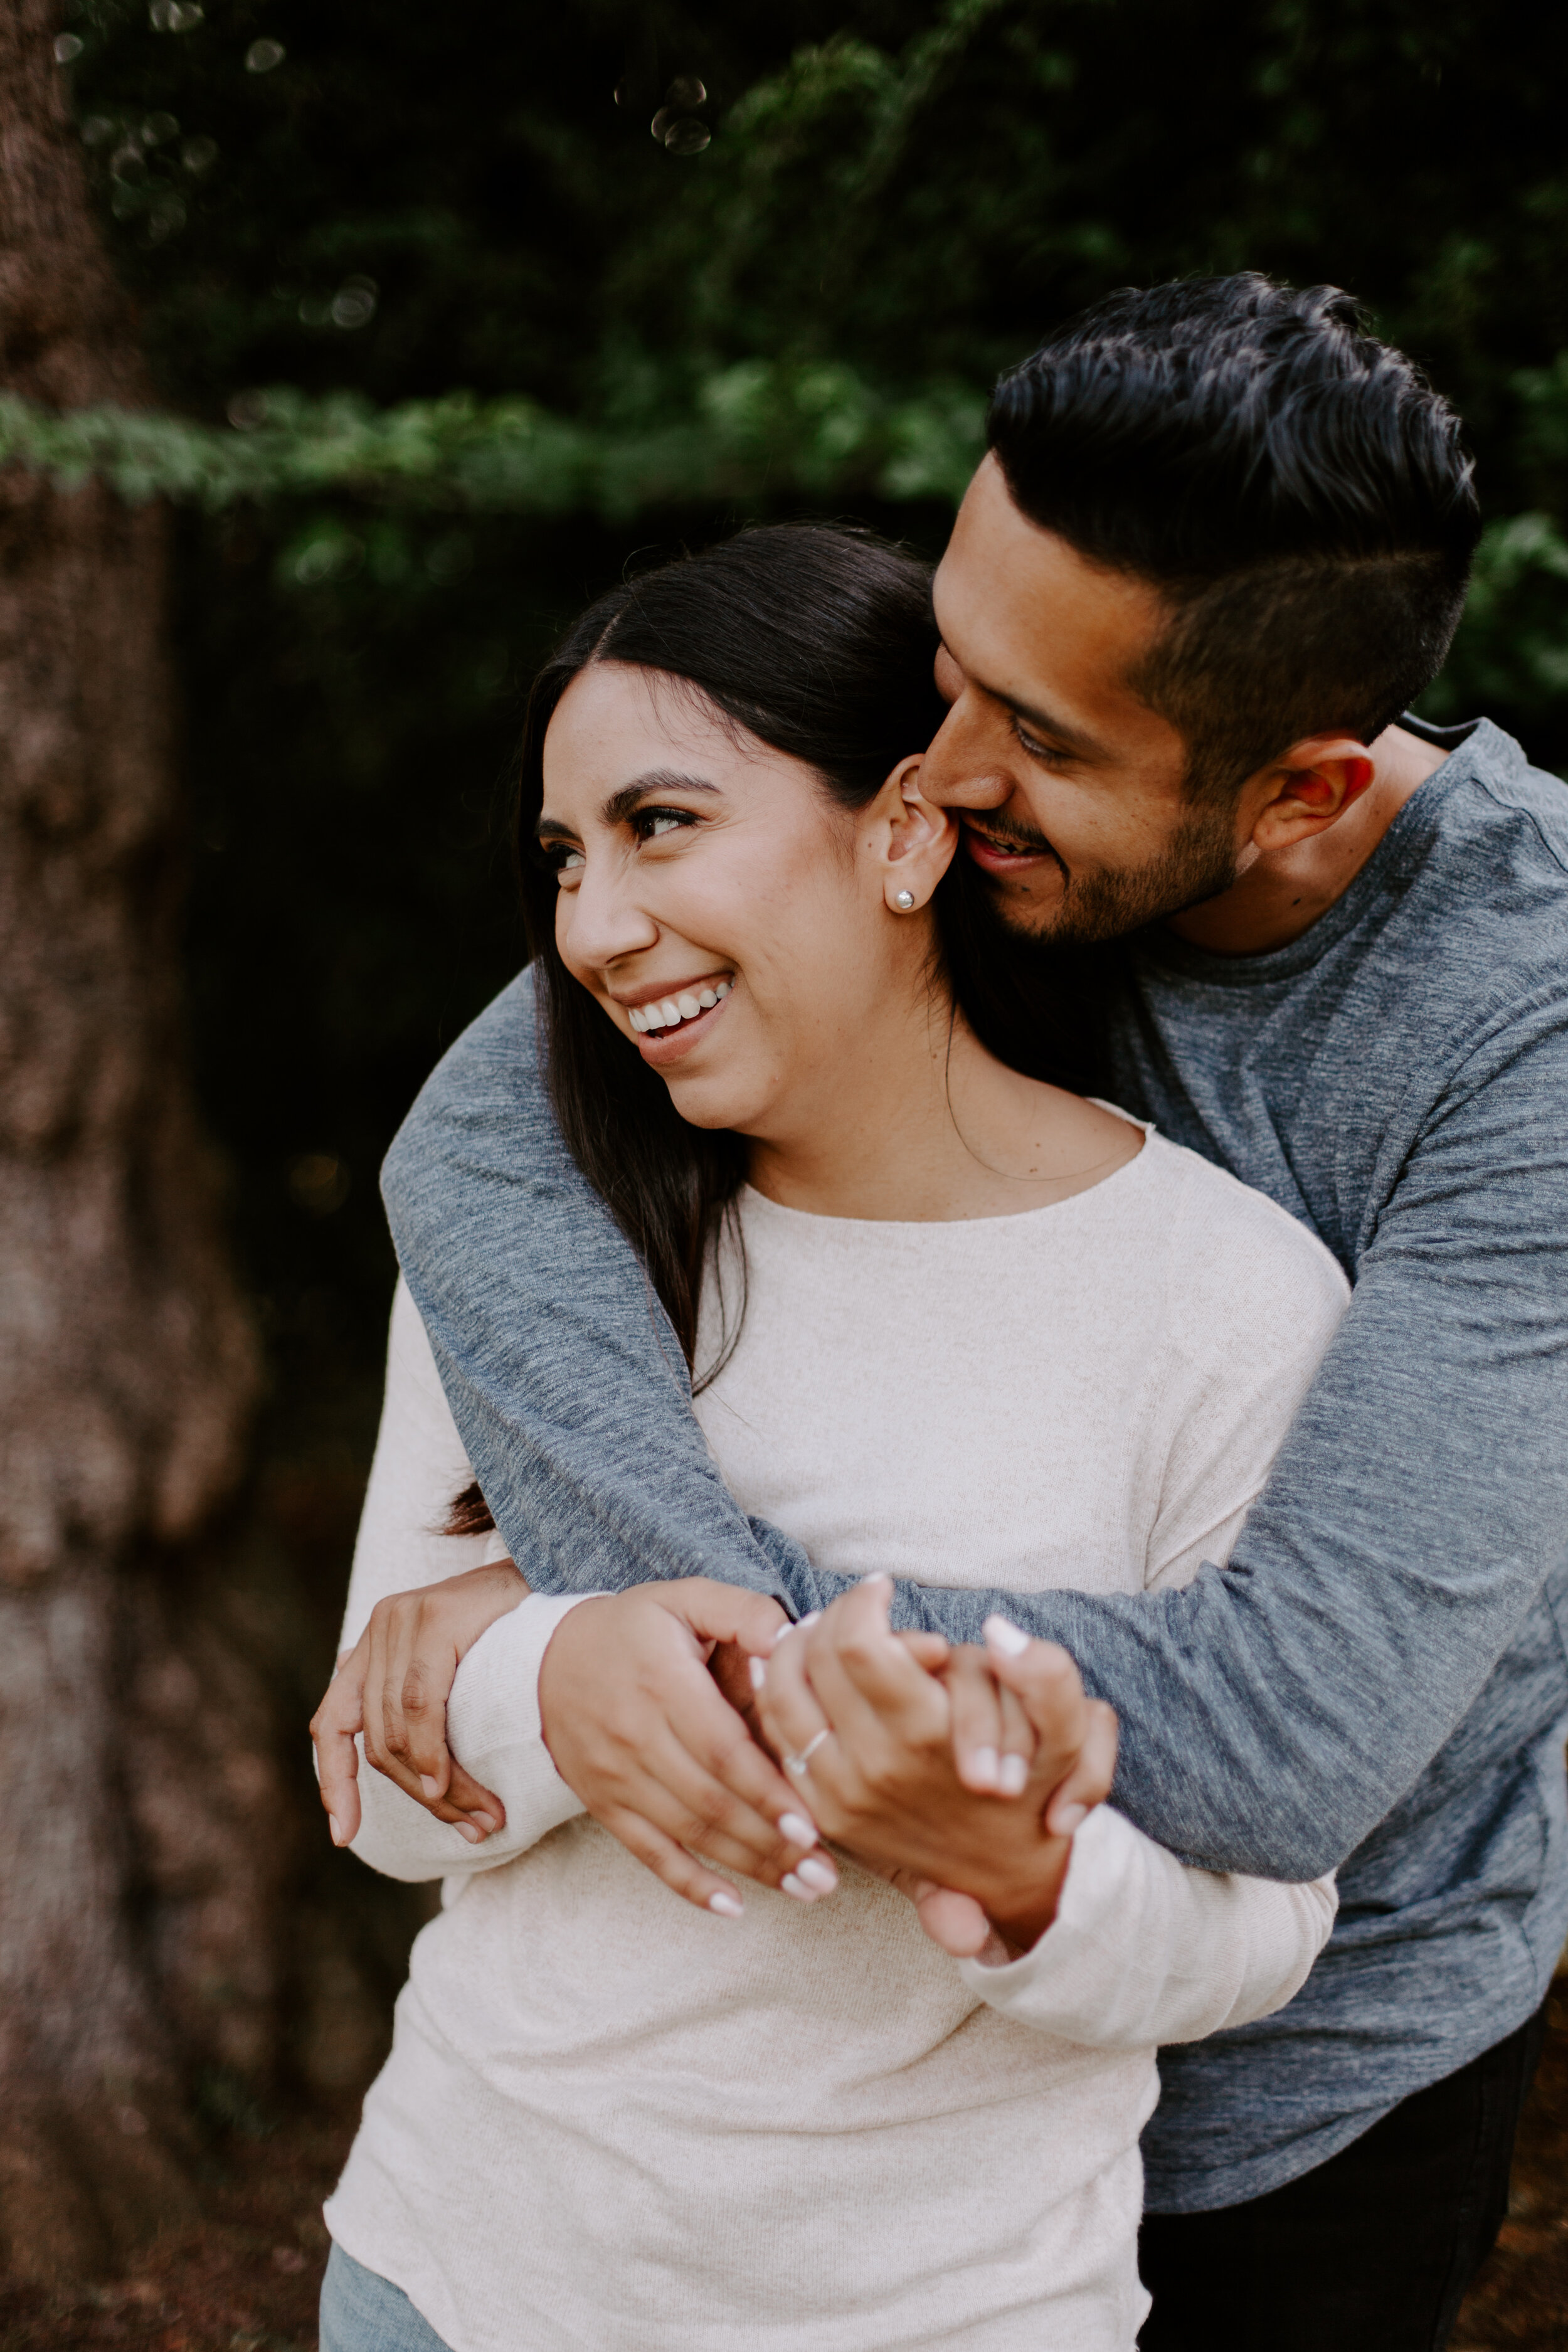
[[919, 840]]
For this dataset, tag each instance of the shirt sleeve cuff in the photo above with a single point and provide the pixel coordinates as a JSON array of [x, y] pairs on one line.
[[1145, 1950], [492, 1715], [1061, 1985]]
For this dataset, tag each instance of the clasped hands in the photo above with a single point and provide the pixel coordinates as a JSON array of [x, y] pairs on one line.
[[672, 1711]]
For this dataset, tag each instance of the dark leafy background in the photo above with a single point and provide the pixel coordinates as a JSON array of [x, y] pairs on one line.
[[797, 308], [895, 199]]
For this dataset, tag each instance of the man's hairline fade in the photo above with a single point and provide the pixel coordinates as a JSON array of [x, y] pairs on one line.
[[1390, 515]]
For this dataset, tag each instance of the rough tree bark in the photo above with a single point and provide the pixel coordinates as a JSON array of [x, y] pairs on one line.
[[137, 1862]]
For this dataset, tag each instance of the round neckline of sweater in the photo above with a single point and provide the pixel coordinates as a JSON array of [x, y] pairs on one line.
[[751, 1198]]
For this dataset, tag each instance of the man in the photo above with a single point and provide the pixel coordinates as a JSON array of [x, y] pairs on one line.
[[1219, 544]]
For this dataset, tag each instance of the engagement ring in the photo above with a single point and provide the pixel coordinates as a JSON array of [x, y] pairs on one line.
[[798, 1764]]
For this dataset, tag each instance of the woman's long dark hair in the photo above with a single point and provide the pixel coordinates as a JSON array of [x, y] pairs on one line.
[[819, 641]]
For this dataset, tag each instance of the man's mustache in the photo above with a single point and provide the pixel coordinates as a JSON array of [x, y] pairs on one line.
[[1019, 840]]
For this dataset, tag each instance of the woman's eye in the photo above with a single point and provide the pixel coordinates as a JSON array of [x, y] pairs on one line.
[[650, 824], [569, 861]]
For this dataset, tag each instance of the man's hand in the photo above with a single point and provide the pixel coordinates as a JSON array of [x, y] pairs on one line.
[[637, 1727], [394, 1686], [868, 1733]]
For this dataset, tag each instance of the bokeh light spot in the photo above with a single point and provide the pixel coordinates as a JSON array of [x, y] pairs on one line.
[[319, 1182], [354, 304]]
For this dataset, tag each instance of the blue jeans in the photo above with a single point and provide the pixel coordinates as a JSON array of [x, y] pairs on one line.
[[361, 2312]]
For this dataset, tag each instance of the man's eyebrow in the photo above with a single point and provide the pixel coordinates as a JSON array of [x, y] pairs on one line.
[[1071, 739], [621, 804]]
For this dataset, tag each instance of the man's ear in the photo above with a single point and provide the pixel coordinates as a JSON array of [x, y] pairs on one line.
[[914, 839], [1308, 789]]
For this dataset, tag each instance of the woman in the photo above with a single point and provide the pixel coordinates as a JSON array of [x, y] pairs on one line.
[[609, 2119]]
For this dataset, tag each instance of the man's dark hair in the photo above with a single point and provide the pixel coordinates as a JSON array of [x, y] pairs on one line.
[[1295, 488]]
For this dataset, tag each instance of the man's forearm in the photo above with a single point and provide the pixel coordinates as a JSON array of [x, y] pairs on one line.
[[1272, 1714]]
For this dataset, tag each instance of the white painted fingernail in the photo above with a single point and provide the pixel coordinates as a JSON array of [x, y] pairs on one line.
[[758, 1670], [798, 1888], [727, 1905], [336, 1827], [816, 1873], [1067, 1819], [1012, 1775], [1004, 1635], [983, 1768], [798, 1627], [431, 1787], [797, 1829], [483, 1823], [467, 1830], [877, 1576]]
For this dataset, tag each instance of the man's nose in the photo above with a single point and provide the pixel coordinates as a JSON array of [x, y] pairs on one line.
[[962, 768]]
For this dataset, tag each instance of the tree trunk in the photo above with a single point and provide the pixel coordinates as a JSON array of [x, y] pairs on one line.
[[134, 1747]]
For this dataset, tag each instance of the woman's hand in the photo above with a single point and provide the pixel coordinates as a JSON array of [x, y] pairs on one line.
[[394, 1686], [638, 1726], [868, 1735]]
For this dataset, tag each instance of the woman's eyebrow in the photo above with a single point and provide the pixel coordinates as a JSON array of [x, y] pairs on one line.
[[625, 802], [621, 804]]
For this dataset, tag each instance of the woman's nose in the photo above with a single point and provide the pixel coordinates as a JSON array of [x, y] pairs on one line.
[[603, 918]]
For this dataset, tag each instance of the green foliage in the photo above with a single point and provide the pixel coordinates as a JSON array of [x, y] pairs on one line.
[[761, 430], [1512, 652], [526, 344]]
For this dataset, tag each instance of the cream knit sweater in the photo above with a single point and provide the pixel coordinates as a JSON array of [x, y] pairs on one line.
[[612, 2122]]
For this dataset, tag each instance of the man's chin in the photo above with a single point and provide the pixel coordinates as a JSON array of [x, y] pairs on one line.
[[1030, 915]]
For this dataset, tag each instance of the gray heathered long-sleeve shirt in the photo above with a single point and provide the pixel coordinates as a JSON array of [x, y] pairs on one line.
[[1378, 1679]]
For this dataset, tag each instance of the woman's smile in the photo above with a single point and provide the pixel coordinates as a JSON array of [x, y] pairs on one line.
[[668, 1021]]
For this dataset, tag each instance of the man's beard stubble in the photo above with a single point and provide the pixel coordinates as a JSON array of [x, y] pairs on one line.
[[1197, 863], [1038, 993]]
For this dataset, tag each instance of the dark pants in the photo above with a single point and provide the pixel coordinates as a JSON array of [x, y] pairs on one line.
[[1370, 2252]]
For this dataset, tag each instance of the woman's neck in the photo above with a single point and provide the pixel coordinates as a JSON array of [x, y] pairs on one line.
[[915, 1122]]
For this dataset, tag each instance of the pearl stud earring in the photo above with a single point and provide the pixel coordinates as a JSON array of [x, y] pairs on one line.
[[904, 901]]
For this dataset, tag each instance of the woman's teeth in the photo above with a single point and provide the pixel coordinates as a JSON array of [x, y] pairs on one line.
[[673, 1009]]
